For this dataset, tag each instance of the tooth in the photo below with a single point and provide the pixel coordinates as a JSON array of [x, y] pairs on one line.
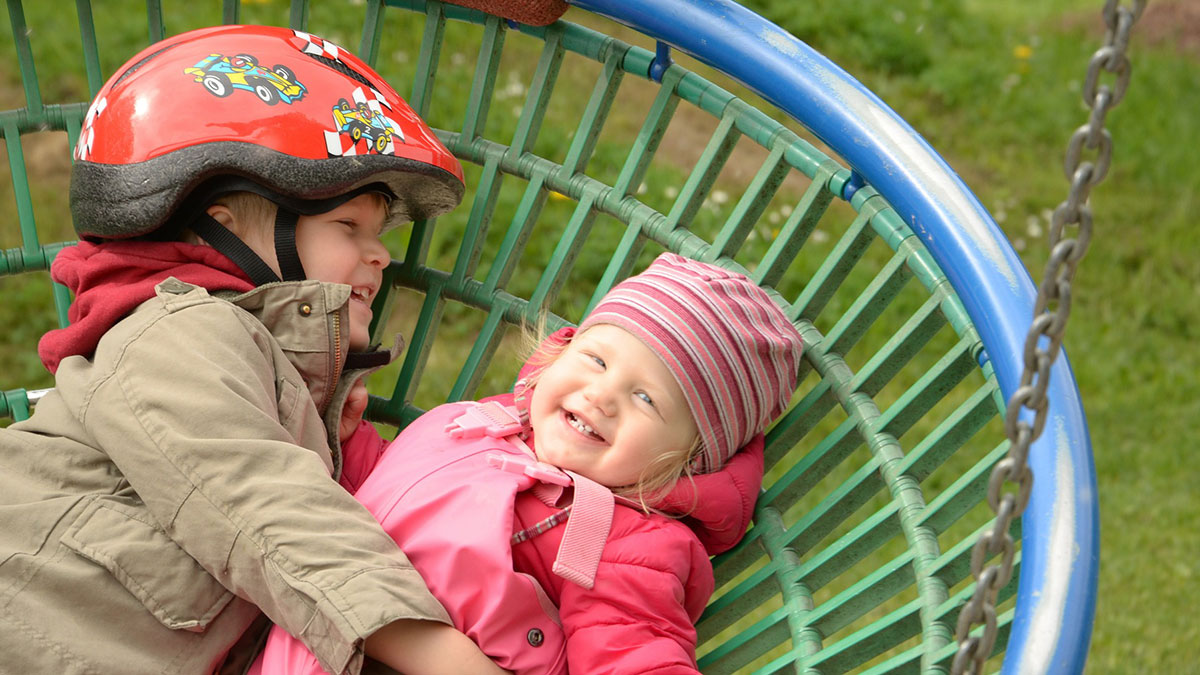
[[580, 425]]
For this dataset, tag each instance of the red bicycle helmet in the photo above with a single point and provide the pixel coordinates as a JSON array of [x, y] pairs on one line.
[[280, 111]]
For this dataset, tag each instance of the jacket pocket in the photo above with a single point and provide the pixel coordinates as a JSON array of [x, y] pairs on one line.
[[149, 564]]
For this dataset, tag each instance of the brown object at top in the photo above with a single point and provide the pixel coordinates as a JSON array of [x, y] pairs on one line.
[[529, 12]]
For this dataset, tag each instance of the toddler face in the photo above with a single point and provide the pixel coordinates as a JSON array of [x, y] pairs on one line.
[[607, 407], [342, 246]]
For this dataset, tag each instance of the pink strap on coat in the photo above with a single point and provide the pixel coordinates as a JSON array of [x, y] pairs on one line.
[[587, 531], [591, 513]]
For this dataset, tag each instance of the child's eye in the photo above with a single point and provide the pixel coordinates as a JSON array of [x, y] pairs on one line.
[[599, 361], [645, 397]]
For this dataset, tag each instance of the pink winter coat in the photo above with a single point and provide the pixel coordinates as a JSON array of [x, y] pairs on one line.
[[453, 512]]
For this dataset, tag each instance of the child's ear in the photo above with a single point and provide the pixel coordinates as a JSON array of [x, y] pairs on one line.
[[218, 212], [243, 229], [222, 215]]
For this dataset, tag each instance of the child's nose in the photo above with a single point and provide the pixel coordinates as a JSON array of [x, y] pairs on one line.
[[600, 396], [376, 254]]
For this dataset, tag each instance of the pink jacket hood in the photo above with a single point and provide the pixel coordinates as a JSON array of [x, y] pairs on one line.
[[717, 506]]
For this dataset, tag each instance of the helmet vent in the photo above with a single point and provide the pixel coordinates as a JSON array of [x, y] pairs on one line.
[[130, 70], [343, 69]]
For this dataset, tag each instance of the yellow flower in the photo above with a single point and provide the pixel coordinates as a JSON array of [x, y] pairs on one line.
[[1023, 52]]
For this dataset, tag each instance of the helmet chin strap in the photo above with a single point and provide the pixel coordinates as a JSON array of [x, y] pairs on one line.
[[222, 239], [287, 214], [290, 266]]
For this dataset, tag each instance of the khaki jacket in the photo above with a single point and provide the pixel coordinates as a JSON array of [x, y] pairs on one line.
[[179, 481]]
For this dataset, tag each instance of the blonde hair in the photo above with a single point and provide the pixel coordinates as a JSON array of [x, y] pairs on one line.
[[252, 213], [660, 475]]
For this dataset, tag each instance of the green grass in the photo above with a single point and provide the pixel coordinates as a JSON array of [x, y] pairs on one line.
[[995, 88]]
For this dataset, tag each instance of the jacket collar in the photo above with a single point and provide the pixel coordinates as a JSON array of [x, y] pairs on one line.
[[310, 321]]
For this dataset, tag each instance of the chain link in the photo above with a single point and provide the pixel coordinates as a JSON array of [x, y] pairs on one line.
[[1052, 308]]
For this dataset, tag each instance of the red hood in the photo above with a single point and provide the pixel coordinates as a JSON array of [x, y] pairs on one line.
[[718, 505], [110, 279]]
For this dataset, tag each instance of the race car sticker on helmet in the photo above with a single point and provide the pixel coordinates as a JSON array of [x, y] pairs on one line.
[[362, 121], [221, 75]]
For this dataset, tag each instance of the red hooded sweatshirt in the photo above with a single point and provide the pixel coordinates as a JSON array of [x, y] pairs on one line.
[[110, 279]]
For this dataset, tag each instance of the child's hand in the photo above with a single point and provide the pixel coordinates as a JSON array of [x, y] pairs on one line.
[[416, 647], [352, 412]]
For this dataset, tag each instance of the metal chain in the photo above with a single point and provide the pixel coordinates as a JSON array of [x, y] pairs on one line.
[[1051, 309]]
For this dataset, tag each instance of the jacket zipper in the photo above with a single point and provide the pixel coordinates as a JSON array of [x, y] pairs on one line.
[[336, 368]]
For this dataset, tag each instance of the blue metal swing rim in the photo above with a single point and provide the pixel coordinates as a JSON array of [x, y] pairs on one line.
[[1056, 593]]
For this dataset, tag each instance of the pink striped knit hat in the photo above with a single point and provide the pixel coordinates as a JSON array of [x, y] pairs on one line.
[[730, 347]]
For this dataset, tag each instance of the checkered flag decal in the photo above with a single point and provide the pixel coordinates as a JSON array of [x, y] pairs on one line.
[[83, 147], [318, 46], [339, 144]]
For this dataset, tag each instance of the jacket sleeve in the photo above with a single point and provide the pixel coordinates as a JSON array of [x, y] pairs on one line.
[[191, 414], [639, 616]]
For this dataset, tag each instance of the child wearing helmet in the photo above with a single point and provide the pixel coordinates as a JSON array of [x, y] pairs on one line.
[[568, 526], [180, 484]]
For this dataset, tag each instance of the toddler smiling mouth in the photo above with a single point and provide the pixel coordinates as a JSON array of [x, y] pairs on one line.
[[581, 426]]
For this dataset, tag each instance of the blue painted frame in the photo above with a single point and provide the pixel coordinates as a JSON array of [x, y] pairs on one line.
[[1056, 594]]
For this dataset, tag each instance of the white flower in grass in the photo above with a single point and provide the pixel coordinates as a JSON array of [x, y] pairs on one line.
[[1033, 226], [514, 88]]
